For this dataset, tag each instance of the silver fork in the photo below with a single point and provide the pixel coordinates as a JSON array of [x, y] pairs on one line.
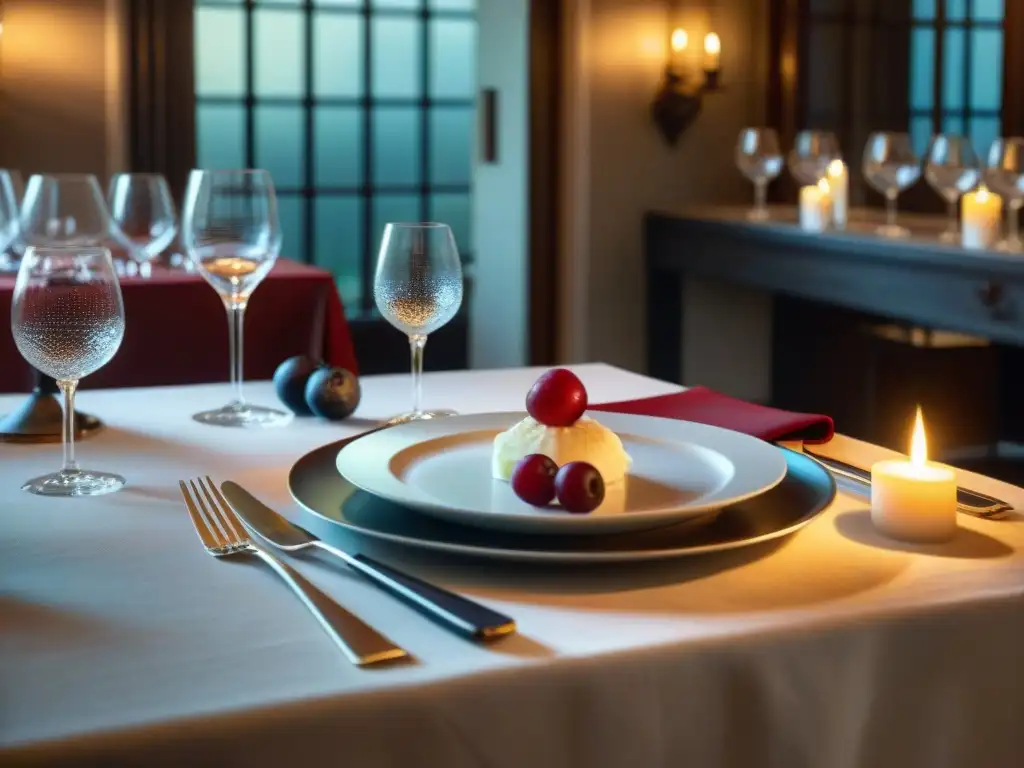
[[223, 536]]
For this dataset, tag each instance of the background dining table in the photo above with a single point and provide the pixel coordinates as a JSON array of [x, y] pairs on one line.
[[123, 642]]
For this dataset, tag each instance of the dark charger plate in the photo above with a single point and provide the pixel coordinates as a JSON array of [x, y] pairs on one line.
[[804, 493]]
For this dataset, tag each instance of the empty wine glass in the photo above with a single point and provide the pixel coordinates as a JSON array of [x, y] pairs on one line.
[[418, 289], [67, 318], [952, 169], [760, 160], [9, 227], [811, 154], [142, 208], [231, 232], [1004, 174], [890, 166], [65, 209]]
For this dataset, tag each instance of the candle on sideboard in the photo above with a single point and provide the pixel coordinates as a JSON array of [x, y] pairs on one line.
[[981, 216], [839, 190], [914, 500], [815, 207]]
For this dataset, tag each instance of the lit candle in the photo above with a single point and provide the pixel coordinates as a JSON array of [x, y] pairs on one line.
[[679, 42], [980, 213], [815, 207], [712, 52], [839, 190], [914, 500]]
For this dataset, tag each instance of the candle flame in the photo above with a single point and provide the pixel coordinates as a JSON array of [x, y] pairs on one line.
[[918, 442], [982, 193], [823, 185], [679, 40], [712, 43], [836, 168]]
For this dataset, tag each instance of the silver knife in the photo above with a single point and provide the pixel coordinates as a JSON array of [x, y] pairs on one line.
[[455, 611]]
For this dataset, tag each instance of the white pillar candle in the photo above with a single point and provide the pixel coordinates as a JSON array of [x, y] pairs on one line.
[[839, 190], [981, 215], [914, 500], [815, 207]]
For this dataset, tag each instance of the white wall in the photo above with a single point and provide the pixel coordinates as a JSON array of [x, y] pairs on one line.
[[618, 166]]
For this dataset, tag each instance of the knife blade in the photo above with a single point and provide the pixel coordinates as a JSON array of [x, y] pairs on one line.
[[455, 611]]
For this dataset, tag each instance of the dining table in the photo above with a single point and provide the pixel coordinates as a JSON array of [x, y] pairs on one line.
[[122, 642]]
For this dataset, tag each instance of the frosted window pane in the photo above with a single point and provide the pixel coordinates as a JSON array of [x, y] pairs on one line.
[[452, 58], [453, 5], [293, 227], [922, 68], [279, 143], [220, 52], [396, 145], [920, 134], [339, 244], [953, 125], [391, 208], [984, 130], [396, 57], [278, 2], [987, 10], [396, 3], [451, 146], [343, 3], [924, 9], [956, 10], [453, 210], [953, 69], [220, 136], [337, 55], [986, 69], [279, 50], [338, 135]]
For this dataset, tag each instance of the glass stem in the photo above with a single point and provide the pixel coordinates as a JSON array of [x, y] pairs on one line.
[[417, 342], [236, 316], [68, 430], [890, 207], [760, 196], [1013, 221], [951, 227]]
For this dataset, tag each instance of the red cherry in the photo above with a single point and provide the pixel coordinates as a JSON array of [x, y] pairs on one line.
[[533, 479], [579, 487], [557, 399]]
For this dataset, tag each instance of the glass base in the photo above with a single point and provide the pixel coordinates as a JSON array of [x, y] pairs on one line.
[[243, 415], [403, 418], [893, 230], [75, 482], [1010, 246]]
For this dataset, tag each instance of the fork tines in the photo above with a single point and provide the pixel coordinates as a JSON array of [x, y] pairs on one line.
[[219, 529]]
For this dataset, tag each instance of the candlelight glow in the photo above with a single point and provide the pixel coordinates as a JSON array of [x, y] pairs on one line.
[[918, 442], [835, 168], [823, 185], [982, 193], [712, 44], [679, 40]]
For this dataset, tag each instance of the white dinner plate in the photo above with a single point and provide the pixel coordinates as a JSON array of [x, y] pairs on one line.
[[442, 467]]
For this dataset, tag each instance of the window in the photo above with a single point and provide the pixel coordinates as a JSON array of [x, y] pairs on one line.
[[362, 110]]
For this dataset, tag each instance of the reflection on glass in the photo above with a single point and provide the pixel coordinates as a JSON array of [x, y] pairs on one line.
[[812, 152], [890, 166], [143, 210], [65, 209], [951, 169], [1005, 175], [759, 158]]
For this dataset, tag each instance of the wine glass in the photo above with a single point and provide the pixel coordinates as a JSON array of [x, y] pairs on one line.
[[65, 209], [9, 227], [811, 154], [1005, 174], [418, 289], [231, 232], [67, 318], [142, 208], [952, 169], [890, 166], [760, 160]]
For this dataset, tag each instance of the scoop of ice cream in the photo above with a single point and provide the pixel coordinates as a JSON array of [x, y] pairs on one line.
[[586, 440]]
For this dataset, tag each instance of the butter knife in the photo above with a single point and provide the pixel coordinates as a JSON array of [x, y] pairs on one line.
[[968, 502], [455, 611]]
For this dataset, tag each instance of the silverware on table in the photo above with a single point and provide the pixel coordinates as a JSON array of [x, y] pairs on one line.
[[455, 611], [968, 502], [223, 536]]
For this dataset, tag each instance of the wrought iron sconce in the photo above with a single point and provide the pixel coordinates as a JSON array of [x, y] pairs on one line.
[[681, 96]]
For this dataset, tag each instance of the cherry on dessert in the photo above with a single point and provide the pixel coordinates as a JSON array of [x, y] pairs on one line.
[[579, 487], [533, 479], [557, 399]]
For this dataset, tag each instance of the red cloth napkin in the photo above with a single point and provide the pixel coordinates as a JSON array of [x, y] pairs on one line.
[[709, 407]]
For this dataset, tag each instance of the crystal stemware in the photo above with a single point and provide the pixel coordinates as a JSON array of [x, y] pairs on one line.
[[890, 166], [811, 154], [231, 232], [67, 318], [759, 159], [1004, 174], [418, 289], [951, 169], [142, 207], [9, 227], [65, 209]]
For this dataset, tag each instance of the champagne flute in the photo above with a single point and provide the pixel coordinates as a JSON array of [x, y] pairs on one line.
[[1005, 175], [418, 289], [67, 318], [890, 166], [142, 208], [952, 169], [231, 232], [811, 154], [760, 160]]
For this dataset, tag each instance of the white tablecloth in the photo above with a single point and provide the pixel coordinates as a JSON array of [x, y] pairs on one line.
[[123, 642]]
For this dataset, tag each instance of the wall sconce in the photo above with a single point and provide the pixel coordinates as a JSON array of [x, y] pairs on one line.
[[681, 96]]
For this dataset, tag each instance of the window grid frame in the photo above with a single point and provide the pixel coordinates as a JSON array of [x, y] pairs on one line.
[[367, 191]]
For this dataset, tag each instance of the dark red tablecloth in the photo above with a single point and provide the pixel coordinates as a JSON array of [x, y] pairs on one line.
[[176, 329]]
